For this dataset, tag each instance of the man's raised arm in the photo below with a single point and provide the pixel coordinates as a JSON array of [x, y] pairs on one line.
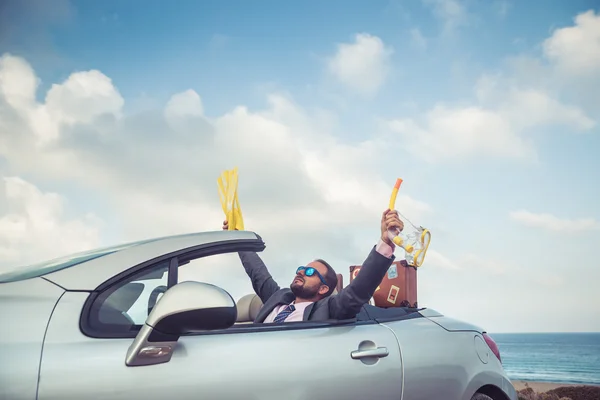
[[262, 282], [348, 302]]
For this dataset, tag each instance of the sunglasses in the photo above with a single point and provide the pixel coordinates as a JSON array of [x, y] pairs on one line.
[[310, 271]]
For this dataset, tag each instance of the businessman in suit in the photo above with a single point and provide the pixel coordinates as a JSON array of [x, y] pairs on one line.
[[309, 296]]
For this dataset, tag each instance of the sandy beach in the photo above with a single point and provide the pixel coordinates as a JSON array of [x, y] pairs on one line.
[[541, 386]]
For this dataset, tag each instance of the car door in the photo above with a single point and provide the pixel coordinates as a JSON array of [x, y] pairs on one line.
[[299, 360], [294, 362]]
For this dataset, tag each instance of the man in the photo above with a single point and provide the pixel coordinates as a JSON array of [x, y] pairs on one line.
[[309, 295]]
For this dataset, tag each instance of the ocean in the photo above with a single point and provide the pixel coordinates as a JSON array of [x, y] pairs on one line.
[[551, 357]]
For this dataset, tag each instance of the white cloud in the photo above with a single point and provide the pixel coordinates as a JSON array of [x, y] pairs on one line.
[[451, 12], [435, 259], [80, 99], [576, 49], [447, 133], [465, 263], [476, 262], [502, 7], [184, 113], [569, 68], [549, 280], [362, 65], [417, 38], [83, 97], [305, 192], [34, 228], [184, 104], [553, 223], [498, 123], [527, 108], [17, 82]]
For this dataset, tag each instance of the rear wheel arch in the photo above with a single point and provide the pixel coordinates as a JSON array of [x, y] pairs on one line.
[[491, 391]]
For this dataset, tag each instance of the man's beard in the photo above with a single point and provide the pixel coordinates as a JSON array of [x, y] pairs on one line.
[[304, 292]]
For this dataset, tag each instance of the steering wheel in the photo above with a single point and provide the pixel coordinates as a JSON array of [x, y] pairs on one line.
[[154, 296]]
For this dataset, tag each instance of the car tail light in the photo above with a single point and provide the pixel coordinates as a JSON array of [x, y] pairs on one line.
[[492, 345]]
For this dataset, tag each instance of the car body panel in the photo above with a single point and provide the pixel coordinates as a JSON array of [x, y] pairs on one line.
[[91, 274], [25, 308], [430, 312], [454, 325], [440, 364], [252, 365]]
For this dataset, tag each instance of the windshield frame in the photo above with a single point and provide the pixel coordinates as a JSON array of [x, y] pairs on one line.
[[40, 269]]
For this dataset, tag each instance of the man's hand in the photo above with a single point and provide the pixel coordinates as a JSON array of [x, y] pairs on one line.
[[226, 225], [390, 220]]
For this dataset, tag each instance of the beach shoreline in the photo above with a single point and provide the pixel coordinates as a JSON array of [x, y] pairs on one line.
[[541, 387]]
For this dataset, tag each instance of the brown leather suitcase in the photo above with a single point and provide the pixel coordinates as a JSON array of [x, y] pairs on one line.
[[398, 287]]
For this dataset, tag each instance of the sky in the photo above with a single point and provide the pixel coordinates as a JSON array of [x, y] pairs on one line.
[[116, 119]]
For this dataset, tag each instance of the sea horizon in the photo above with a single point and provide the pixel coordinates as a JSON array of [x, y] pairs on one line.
[[557, 357]]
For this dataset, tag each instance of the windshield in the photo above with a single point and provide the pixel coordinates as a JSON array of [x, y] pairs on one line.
[[46, 267]]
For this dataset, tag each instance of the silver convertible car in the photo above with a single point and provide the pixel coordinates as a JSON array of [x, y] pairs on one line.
[[121, 323]]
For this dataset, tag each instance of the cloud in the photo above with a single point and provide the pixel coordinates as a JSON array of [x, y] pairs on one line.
[[184, 104], [81, 99], [474, 261], [445, 133], [435, 259], [553, 223], [417, 39], [569, 66], [576, 49], [34, 227], [507, 109], [362, 65], [528, 107], [552, 281], [451, 12], [501, 7], [17, 82], [465, 263], [308, 194]]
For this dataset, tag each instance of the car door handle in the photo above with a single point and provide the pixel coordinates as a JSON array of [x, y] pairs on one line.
[[378, 352]]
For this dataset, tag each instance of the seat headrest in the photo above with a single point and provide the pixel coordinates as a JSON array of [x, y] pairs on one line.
[[248, 307]]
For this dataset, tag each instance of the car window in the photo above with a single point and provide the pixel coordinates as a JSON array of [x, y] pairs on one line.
[[126, 305], [139, 310], [123, 308]]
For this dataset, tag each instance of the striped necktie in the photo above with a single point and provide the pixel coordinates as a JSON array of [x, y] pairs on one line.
[[283, 314]]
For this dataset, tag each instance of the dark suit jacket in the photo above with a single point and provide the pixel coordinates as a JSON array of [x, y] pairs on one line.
[[344, 305]]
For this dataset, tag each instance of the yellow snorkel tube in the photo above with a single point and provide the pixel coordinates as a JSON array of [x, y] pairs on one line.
[[397, 239], [419, 238]]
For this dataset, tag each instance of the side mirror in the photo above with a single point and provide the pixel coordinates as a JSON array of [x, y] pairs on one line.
[[186, 307]]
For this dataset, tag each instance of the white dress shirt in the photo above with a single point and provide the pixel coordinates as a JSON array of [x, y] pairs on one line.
[[296, 315]]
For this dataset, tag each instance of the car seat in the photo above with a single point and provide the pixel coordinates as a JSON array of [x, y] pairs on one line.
[[247, 308]]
